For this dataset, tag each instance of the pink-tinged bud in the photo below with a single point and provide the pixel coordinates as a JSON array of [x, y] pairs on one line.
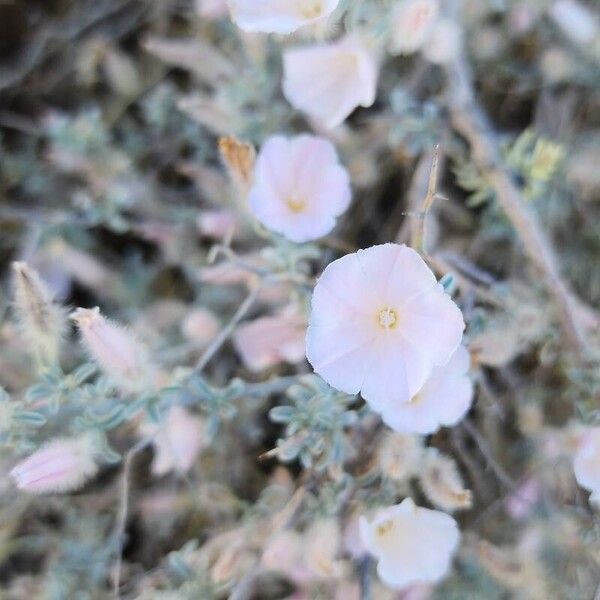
[[177, 441], [42, 320], [120, 355], [61, 465], [216, 224], [200, 326]]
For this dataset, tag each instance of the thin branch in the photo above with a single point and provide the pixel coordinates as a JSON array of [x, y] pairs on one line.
[[224, 334], [124, 510]]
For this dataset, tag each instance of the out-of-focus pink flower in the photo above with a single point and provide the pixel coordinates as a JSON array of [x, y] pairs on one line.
[[268, 341], [586, 462], [521, 502], [212, 9], [61, 465], [299, 187], [443, 401], [216, 224], [379, 325], [412, 545], [328, 81], [445, 42], [575, 20], [283, 553], [177, 442], [412, 25], [120, 355], [322, 544], [279, 16], [200, 326]]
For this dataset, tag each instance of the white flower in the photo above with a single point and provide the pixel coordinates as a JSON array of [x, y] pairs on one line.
[[442, 401], [328, 81], [380, 323], [279, 16], [299, 187], [445, 42], [400, 455], [412, 544], [586, 463], [412, 24], [577, 22], [61, 465], [177, 442]]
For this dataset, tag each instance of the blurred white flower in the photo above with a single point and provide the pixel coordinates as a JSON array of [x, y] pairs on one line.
[[322, 545], [379, 325], [411, 544], [442, 401], [444, 43], [177, 441], [212, 9], [120, 355], [200, 326], [400, 455], [268, 341], [299, 187], [328, 81], [575, 20], [412, 24], [279, 16], [442, 483], [586, 462], [61, 465]]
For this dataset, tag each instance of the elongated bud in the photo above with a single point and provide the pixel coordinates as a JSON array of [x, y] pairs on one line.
[[41, 319], [239, 158], [62, 465], [442, 483], [120, 355]]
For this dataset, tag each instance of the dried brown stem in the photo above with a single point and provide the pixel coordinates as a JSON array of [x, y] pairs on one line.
[[469, 120]]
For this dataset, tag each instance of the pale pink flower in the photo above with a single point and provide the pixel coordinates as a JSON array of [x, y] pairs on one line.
[[412, 24], [328, 81], [299, 187], [61, 465], [445, 42], [411, 544], [212, 9], [575, 20], [177, 441], [279, 16], [379, 325], [120, 355], [200, 326], [216, 224], [443, 401], [586, 462], [268, 341]]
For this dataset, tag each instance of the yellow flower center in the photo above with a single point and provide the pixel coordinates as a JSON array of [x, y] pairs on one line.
[[385, 527], [296, 205], [312, 10], [387, 318]]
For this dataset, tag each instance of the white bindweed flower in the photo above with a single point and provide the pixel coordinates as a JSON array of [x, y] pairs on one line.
[[586, 462], [299, 187], [279, 16], [412, 25], [328, 81], [120, 355], [443, 401], [177, 442], [411, 544], [379, 325], [61, 465]]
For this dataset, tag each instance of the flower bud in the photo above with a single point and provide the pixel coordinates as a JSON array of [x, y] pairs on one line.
[[119, 354], [42, 321], [62, 465]]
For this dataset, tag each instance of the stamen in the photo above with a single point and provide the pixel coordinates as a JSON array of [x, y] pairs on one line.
[[388, 319]]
